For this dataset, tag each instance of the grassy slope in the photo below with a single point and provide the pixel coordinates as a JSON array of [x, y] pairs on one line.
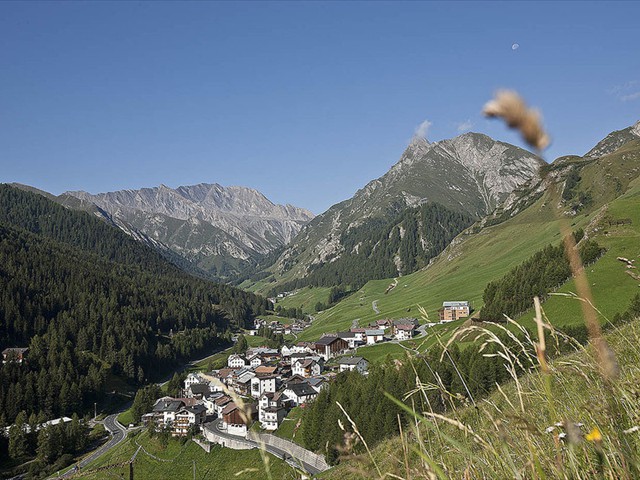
[[464, 269], [177, 462], [577, 394], [306, 299]]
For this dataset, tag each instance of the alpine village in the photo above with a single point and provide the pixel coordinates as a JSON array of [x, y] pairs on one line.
[[473, 313]]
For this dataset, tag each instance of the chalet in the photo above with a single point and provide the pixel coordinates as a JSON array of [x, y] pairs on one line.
[[210, 403], [451, 311], [186, 418], [165, 410], [256, 361], [329, 347], [404, 331], [358, 364], [374, 336], [300, 393], [221, 403], [236, 361], [192, 379], [317, 383], [234, 420], [306, 368], [16, 355], [384, 323]]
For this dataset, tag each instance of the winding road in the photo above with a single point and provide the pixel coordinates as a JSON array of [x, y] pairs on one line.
[[118, 435]]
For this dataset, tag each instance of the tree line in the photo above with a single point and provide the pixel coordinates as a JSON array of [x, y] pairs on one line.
[[385, 247], [545, 271]]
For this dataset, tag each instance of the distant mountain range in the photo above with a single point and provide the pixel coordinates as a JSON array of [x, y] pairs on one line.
[[218, 229]]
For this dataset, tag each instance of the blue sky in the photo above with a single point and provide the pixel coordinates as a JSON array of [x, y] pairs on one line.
[[307, 101]]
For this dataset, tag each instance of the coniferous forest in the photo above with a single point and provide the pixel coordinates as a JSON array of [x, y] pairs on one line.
[[545, 270], [91, 303], [381, 248]]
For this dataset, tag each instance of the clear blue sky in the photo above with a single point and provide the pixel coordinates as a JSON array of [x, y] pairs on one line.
[[305, 102]]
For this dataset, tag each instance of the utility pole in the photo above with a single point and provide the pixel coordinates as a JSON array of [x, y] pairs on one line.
[[95, 410]]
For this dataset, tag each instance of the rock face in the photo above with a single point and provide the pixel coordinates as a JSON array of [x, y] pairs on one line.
[[217, 228], [471, 173], [614, 140]]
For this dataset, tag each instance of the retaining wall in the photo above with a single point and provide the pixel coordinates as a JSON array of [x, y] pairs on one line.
[[234, 443], [293, 449]]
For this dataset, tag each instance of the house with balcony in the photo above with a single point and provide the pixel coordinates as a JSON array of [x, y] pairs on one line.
[[451, 311]]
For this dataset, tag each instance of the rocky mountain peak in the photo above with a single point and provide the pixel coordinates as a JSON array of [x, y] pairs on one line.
[[216, 227]]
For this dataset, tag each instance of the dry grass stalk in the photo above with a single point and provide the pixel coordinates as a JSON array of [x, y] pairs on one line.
[[509, 106]]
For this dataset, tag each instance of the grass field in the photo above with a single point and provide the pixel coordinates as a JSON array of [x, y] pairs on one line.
[[306, 299], [177, 461], [288, 427]]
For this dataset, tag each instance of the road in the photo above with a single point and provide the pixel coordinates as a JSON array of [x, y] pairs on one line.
[[217, 426], [118, 435], [374, 305]]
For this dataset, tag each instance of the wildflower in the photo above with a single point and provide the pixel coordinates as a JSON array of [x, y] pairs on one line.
[[594, 435]]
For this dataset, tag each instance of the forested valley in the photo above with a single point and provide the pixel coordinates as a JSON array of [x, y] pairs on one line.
[[92, 304]]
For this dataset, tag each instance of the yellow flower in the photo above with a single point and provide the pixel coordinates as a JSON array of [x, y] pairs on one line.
[[594, 435]]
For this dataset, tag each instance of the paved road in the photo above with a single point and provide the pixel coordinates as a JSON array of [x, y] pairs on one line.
[[118, 435], [217, 426]]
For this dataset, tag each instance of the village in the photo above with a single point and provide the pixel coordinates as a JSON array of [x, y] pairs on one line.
[[262, 385]]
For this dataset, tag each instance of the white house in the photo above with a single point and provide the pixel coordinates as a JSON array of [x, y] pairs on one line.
[[192, 379], [263, 384], [306, 368], [272, 417], [256, 361], [374, 336], [186, 418], [165, 410], [358, 364], [236, 361], [351, 338], [404, 331]]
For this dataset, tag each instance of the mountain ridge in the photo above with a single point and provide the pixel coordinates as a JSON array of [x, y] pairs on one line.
[[219, 229]]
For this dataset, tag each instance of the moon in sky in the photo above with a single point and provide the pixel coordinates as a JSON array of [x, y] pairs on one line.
[[515, 46]]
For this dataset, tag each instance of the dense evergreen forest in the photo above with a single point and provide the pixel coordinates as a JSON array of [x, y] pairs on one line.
[[546, 270], [89, 302], [383, 248], [467, 375]]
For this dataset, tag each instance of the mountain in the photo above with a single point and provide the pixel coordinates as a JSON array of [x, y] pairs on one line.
[[218, 229], [470, 174], [615, 140]]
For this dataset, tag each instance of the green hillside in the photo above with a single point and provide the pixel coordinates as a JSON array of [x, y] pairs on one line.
[[480, 255], [567, 423], [177, 461]]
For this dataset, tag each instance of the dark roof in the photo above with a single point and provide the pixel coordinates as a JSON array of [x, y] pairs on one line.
[[345, 335], [325, 341], [404, 326], [169, 405], [301, 389], [199, 388], [350, 360], [229, 408], [196, 409]]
